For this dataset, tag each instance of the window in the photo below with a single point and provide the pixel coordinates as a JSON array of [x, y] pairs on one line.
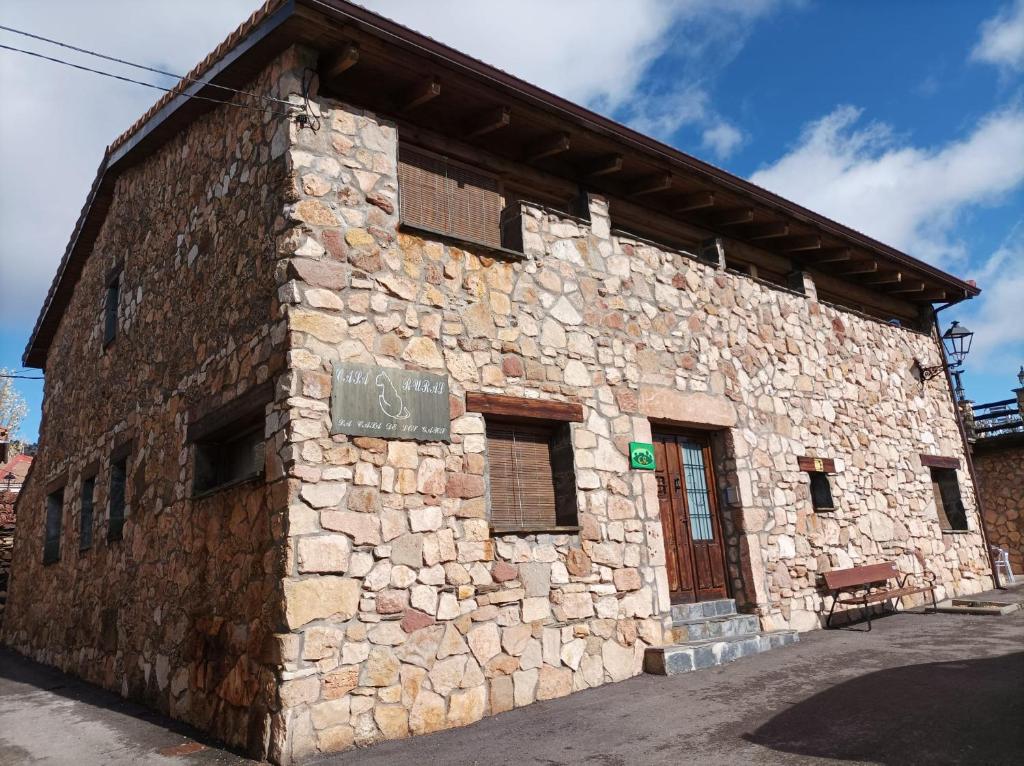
[[85, 522], [532, 481], [948, 503], [54, 520], [118, 482], [448, 198], [821, 491], [229, 459], [110, 308]]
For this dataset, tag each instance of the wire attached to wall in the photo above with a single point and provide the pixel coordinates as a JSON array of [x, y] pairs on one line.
[[308, 118]]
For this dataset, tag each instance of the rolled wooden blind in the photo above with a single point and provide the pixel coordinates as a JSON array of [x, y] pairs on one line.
[[522, 482], [448, 198]]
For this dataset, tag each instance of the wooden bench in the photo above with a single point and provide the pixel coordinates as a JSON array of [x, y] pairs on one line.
[[869, 584]]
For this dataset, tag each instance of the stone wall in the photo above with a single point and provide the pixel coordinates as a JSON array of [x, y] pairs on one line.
[[176, 614], [405, 614], [1000, 471]]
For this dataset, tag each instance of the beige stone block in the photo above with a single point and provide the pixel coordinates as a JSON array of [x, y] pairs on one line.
[[484, 641], [299, 691], [402, 454], [626, 579], [554, 682], [320, 642], [330, 713], [619, 661], [363, 528], [467, 706], [686, 407], [452, 642], [502, 699], [536, 609], [335, 739], [324, 494], [515, 637], [423, 352], [447, 674], [380, 669], [320, 597], [431, 476], [525, 686], [324, 553], [420, 648], [393, 721], [428, 713], [576, 606]]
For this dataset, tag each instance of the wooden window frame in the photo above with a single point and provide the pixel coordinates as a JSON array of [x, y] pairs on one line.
[[85, 541], [821, 476], [112, 308], [937, 474], [234, 423], [52, 545]]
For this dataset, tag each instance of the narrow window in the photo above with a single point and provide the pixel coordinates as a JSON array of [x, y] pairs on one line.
[[231, 457], [449, 198], [821, 491], [110, 308], [532, 481], [118, 480], [54, 520], [85, 523], [948, 503]]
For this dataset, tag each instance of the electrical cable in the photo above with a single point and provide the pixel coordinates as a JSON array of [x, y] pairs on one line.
[[141, 66], [148, 84]]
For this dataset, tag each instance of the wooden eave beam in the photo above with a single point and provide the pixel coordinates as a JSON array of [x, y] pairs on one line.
[[549, 146], [860, 267], [695, 201], [651, 184], [604, 166], [801, 244], [833, 255], [341, 62], [732, 217], [488, 122], [767, 231], [909, 287], [885, 278], [935, 295], [420, 94]]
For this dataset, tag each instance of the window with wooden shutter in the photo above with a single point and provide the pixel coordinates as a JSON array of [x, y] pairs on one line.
[[448, 198], [948, 503], [532, 482]]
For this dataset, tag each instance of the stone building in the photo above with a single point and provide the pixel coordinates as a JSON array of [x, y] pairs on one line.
[[996, 430], [430, 395]]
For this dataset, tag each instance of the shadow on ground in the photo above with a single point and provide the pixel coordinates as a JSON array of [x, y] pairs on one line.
[[970, 711]]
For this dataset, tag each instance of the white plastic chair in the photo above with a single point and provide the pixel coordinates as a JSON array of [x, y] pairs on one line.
[[1002, 558]]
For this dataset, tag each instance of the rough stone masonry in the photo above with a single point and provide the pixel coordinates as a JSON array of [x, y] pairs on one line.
[[358, 593]]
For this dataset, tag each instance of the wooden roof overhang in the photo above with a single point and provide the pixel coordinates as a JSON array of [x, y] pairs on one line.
[[452, 103]]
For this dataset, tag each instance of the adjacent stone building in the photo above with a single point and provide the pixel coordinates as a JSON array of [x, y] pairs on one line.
[[626, 380]]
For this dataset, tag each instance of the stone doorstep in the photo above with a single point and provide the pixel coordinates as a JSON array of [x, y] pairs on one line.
[[976, 606], [703, 609], [716, 627], [698, 655]]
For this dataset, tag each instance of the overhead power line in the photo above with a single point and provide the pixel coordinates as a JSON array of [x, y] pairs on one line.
[[146, 84], [142, 66]]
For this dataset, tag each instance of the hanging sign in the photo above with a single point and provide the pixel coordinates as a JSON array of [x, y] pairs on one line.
[[641, 456], [390, 403]]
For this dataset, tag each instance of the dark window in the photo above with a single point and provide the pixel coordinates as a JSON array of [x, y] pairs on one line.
[[821, 491], [948, 504], [449, 198], [110, 309], [85, 528], [532, 481], [118, 482], [233, 456], [54, 520]]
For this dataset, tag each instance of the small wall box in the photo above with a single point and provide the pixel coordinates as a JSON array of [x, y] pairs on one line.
[[641, 456]]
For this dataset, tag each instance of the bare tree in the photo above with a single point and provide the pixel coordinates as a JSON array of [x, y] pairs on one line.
[[13, 408]]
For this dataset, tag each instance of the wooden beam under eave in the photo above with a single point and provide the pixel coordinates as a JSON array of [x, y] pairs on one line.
[[833, 255], [934, 295], [767, 231], [733, 217], [695, 201], [908, 287], [651, 184], [885, 278], [801, 244], [341, 62], [488, 122], [604, 166], [420, 94], [549, 146], [860, 267]]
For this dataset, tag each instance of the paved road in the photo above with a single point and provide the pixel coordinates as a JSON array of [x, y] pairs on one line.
[[918, 689]]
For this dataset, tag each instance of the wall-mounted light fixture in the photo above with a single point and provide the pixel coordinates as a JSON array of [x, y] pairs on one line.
[[957, 343]]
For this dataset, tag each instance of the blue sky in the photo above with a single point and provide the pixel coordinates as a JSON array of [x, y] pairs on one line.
[[904, 120]]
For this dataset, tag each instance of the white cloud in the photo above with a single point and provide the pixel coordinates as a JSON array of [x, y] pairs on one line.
[[910, 197], [56, 121], [722, 139], [1002, 38]]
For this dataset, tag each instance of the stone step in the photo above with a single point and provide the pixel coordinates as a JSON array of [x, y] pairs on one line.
[[697, 655], [715, 627], [703, 609]]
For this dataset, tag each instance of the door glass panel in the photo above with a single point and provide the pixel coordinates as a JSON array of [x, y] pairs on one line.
[[697, 498]]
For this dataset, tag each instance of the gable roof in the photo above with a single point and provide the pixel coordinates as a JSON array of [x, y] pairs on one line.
[[333, 25]]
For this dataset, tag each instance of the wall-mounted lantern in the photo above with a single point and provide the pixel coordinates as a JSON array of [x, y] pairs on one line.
[[957, 344]]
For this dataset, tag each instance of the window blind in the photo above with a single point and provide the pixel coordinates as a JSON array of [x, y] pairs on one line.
[[521, 477], [448, 198]]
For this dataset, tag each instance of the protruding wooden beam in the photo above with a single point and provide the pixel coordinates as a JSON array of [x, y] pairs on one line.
[[885, 278], [733, 217], [767, 231], [860, 267], [908, 287], [934, 295], [800, 244], [488, 122], [833, 255], [651, 184], [604, 166], [341, 62], [548, 146], [695, 201], [420, 94]]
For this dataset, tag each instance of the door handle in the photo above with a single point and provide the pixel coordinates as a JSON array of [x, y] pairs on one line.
[[678, 487]]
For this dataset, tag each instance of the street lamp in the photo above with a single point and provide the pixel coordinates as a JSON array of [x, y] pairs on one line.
[[957, 345], [1020, 376]]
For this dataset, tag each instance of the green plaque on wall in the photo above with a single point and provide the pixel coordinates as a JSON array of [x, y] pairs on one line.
[[641, 455]]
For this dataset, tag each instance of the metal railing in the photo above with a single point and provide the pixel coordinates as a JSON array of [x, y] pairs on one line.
[[996, 418]]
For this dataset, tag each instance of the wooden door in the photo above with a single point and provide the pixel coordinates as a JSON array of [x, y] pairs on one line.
[[694, 552]]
